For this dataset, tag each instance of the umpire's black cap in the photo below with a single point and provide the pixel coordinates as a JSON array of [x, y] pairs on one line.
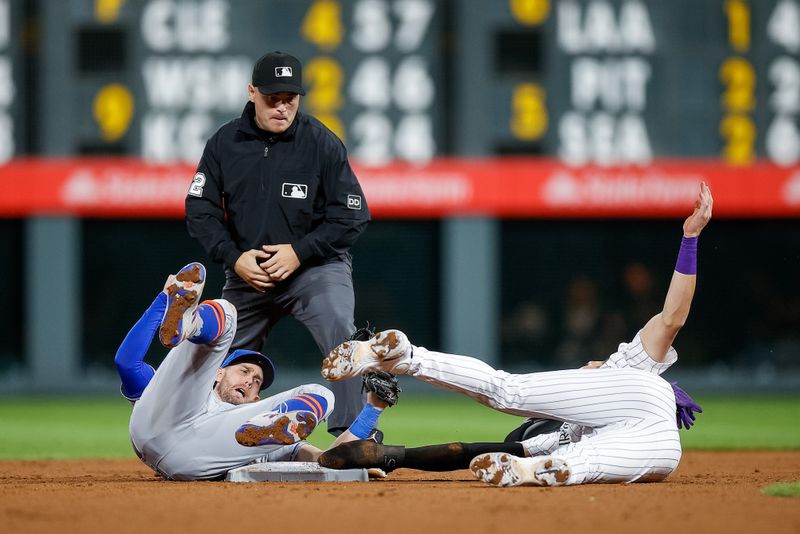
[[277, 72], [251, 356]]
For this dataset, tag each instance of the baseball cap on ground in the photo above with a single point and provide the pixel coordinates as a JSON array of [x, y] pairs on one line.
[[251, 356], [277, 72]]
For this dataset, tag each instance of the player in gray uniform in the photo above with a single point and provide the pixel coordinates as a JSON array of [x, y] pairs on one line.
[[200, 414], [620, 414]]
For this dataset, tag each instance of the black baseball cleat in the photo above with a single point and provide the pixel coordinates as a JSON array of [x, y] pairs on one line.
[[364, 454]]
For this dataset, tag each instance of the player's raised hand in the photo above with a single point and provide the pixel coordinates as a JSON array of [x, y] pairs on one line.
[[282, 262], [695, 223], [248, 270]]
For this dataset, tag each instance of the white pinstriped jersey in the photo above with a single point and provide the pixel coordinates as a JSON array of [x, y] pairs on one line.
[[621, 416], [633, 355], [628, 355]]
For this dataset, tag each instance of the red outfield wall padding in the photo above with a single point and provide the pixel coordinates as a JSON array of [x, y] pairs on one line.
[[499, 187]]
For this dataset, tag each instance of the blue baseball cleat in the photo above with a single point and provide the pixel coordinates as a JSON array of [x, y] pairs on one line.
[[274, 428], [183, 292]]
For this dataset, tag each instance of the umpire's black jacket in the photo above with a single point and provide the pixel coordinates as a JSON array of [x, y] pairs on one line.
[[253, 188]]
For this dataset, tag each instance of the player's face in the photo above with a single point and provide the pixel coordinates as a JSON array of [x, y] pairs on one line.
[[239, 383], [275, 112]]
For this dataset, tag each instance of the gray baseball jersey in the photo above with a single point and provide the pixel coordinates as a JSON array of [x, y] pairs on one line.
[[620, 418], [184, 431]]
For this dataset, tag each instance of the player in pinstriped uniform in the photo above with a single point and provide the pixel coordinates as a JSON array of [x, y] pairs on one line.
[[619, 414]]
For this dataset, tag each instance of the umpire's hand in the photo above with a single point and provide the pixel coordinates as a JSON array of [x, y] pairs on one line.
[[281, 263], [248, 270]]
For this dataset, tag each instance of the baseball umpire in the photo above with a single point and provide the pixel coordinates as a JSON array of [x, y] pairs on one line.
[[200, 414], [275, 200]]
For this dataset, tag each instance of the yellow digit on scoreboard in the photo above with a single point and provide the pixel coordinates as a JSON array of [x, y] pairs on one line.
[[107, 11], [738, 12], [324, 77], [739, 78], [739, 133], [530, 12], [322, 24], [528, 112], [113, 111], [324, 97]]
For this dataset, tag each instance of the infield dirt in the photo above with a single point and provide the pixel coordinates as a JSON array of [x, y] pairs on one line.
[[710, 492]]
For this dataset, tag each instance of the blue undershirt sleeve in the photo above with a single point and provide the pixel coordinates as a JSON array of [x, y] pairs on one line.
[[134, 373]]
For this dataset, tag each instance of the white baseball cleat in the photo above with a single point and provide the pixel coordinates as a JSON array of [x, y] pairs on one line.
[[503, 469], [183, 295], [388, 351]]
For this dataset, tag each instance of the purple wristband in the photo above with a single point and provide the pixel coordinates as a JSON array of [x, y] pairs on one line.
[[687, 256]]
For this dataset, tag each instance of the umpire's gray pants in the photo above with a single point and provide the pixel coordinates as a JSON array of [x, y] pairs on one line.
[[321, 297]]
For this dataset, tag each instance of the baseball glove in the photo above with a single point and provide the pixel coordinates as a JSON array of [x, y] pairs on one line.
[[363, 334], [383, 384]]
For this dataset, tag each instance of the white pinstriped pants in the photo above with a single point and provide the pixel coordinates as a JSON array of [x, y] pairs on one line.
[[629, 432]]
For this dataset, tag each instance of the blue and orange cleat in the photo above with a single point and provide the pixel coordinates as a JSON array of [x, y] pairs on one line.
[[275, 428], [183, 292]]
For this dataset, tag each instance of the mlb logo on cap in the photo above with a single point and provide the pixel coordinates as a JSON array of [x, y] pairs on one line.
[[277, 72]]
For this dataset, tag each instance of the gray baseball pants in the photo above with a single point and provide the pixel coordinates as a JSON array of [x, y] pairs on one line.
[[321, 297]]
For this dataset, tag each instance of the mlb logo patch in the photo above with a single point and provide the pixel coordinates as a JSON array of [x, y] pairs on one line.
[[294, 190], [354, 202], [283, 72]]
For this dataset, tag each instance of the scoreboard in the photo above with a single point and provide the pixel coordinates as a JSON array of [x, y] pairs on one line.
[[605, 82]]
